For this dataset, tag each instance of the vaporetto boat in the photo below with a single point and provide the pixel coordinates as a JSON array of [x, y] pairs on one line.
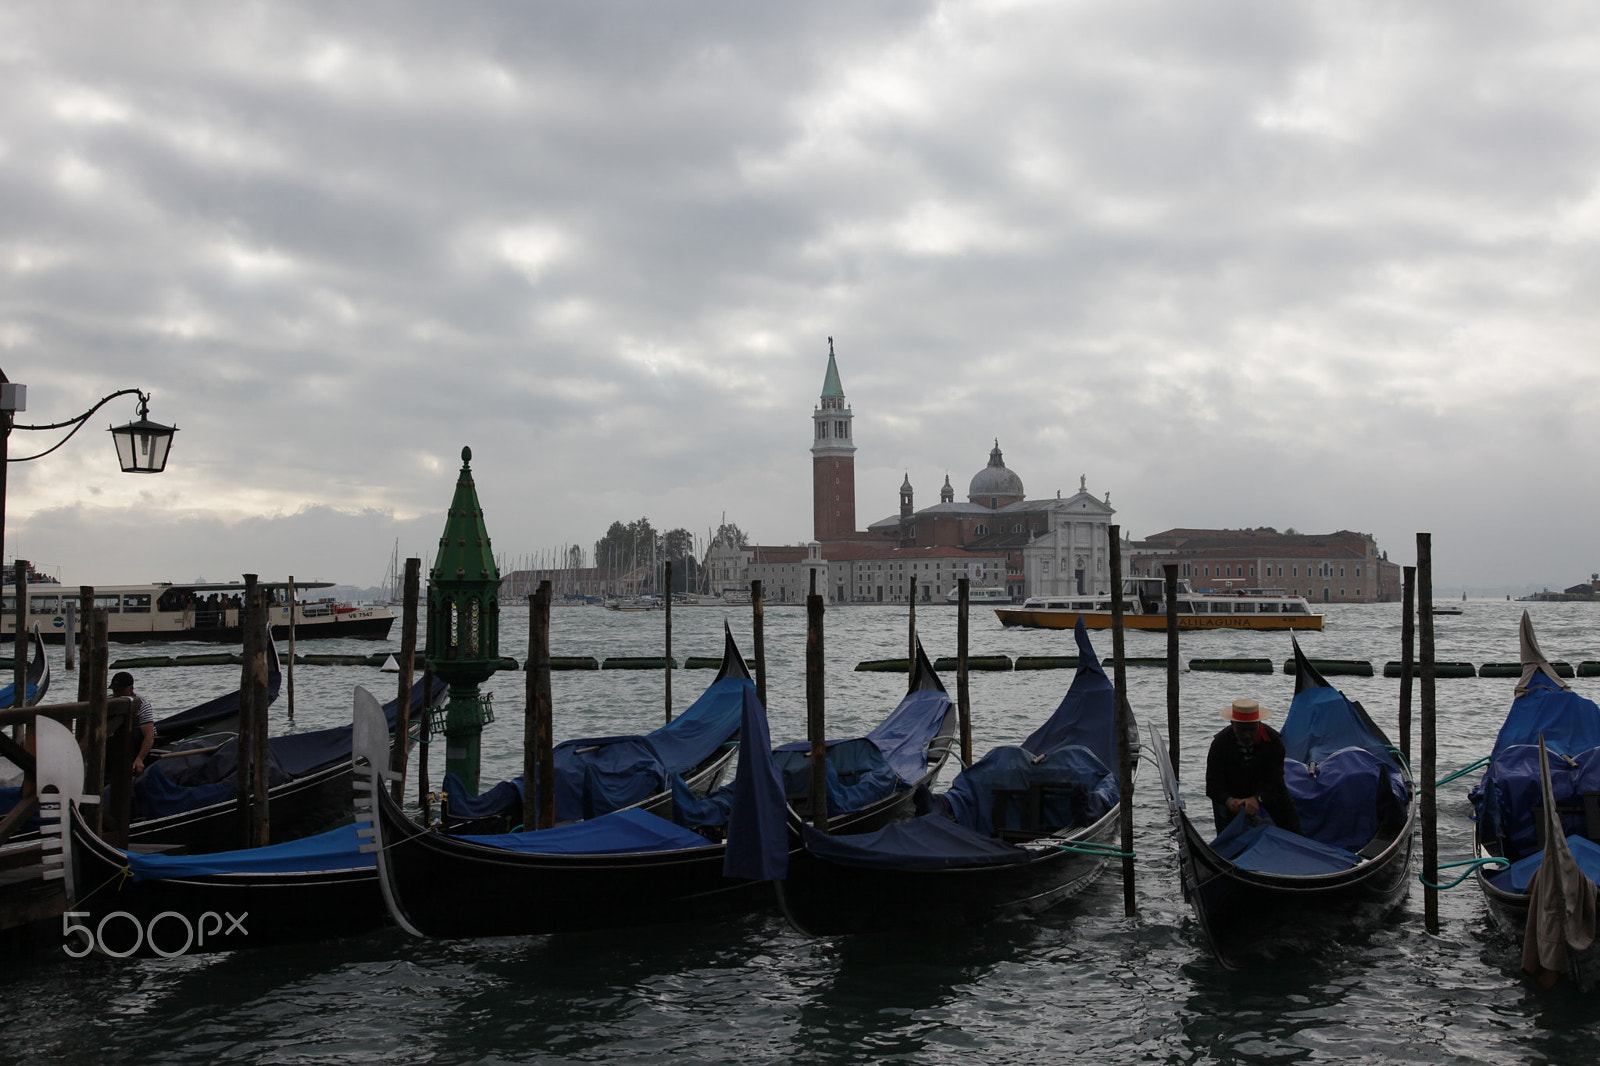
[[199, 612], [1144, 607]]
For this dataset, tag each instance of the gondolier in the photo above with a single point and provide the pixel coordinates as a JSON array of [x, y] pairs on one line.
[[144, 716], [1244, 769]]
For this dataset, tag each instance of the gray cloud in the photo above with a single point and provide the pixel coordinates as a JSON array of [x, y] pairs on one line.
[[1240, 263]]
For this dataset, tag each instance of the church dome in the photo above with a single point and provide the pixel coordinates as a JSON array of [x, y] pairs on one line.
[[994, 481]]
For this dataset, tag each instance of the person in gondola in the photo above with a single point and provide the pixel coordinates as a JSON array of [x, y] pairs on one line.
[[1244, 769], [144, 716]]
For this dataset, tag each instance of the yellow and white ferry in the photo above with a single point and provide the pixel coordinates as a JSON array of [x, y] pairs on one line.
[[1144, 607], [199, 612]]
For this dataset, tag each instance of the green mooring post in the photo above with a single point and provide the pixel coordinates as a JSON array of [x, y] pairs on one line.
[[464, 626]]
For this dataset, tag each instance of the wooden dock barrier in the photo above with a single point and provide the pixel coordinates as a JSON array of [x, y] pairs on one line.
[[1393, 669], [1515, 669], [974, 662], [1232, 666], [1044, 662], [634, 662], [1330, 667]]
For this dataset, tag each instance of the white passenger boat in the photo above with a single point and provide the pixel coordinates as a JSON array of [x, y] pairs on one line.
[[165, 611], [1144, 607], [977, 597]]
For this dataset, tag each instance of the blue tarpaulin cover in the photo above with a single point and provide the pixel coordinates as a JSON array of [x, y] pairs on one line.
[[1504, 799], [926, 843], [758, 834], [1322, 721], [176, 784], [1078, 788], [185, 722], [1515, 878], [1087, 714], [338, 849], [593, 776], [7, 694], [858, 774], [1267, 849], [1353, 795], [617, 833], [904, 736]]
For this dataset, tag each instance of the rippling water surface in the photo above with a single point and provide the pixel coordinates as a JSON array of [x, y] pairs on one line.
[[1082, 983]]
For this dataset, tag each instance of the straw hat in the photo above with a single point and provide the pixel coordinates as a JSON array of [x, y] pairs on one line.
[[1245, 711]]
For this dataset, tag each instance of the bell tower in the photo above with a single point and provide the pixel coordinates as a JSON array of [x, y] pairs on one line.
[[833, 462]]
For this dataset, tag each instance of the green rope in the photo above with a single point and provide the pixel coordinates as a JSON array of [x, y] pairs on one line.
[[1470, 864], [1090, 847], [1464, 770]]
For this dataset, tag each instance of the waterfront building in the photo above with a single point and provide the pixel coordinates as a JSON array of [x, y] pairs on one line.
[[1340, 567]]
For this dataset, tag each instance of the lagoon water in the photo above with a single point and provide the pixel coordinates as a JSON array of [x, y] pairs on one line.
[[1082, 983]]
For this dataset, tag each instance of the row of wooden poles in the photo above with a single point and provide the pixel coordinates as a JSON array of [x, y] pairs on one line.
[[94, 712], [105, 729], [538, 765]]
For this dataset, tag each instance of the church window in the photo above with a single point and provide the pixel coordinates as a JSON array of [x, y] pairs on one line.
[[822, 430], [981, 530]]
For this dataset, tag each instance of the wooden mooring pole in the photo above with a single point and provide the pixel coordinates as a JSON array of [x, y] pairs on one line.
[[71, 645], [92, 690], [911, 628], [1124, 724], [1408, 641], [289, 678], [816, 716], [400, 750], [424, 804], [1429, 769], [19, 635], [255, 665], [758, 620], [669, 640], [1169, 571], [86, 612], [963, 701], [538, 729]]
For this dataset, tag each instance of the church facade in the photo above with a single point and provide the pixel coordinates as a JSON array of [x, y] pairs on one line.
[[997, 537]]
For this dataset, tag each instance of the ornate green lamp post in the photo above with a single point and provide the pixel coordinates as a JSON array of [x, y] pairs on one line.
[[464, 626]]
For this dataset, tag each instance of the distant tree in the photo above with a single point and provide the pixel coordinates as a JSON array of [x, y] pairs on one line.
[[729, 533], [575, 558], [626, 546], [678, 544]]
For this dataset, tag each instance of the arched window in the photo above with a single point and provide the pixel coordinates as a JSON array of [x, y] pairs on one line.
[[981, 530]]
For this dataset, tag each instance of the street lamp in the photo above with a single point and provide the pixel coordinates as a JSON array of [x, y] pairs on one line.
[[142, 446]]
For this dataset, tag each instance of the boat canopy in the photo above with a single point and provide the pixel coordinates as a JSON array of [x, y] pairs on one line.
[[616, 833], [338, 849], [1322, 721], [926, 843], [1348, 798], [1265, 848], [1516, 877], [597, 775]]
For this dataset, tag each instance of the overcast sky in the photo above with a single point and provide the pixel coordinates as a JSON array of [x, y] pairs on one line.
[[1320, 265]]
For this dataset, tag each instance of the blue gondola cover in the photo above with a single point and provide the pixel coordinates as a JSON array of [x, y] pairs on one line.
[[1515, 877], [1267, 849], [620, 832], [758, 835], [1350, 798], [927, 843], [338, 849]]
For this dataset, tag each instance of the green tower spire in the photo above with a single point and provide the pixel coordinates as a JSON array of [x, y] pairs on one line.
[[464, 625], [830, 384]]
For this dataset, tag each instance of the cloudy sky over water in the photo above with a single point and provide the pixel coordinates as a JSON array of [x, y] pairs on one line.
[[1320, 265]]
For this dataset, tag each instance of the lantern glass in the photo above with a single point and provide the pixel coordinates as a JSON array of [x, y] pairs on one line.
[[142, 446]]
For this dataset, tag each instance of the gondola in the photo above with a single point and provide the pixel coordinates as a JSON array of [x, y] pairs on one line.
[[1511, 813], [192, 801], [37, 679], [145, 905], [218, 715], [596, 776], [1019, 831], [629, 867], [1260, 891]]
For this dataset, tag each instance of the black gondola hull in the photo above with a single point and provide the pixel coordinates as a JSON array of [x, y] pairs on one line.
[[825, 898], [211, 913], [1248, 916]]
